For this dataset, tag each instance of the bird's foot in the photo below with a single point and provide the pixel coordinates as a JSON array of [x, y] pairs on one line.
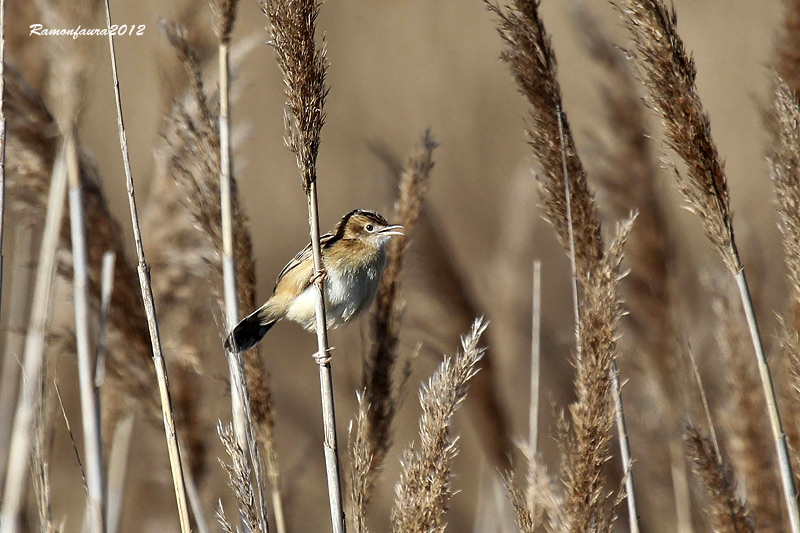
[[320, 276], [323, 359]]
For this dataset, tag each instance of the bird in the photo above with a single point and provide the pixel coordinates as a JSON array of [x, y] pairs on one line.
[[353, 259]]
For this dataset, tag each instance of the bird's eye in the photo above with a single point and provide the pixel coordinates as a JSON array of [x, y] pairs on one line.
[[369, 227]]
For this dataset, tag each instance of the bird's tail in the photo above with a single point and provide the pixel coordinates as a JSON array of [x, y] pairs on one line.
[[250, 330]]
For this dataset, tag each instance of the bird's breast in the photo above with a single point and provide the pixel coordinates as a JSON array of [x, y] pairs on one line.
[[348, 293]]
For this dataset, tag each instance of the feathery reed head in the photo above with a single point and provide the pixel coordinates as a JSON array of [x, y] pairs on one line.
[[293, 25], [668, 74], [223, 15], [381, 399], [784, 160], [424, 487], [592, 416], [530, 55], [240, 478], [729, 514]]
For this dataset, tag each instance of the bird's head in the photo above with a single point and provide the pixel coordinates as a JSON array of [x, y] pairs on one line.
[[367, 227]]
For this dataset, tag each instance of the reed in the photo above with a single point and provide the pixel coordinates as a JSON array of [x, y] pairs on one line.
[[380, 396], [668, 75], [424, 488], [729, 514], [147, 298], [570, 208], [293, 27]]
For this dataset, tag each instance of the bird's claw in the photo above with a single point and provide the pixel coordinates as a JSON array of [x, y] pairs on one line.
[[323, 359], [320, 276]]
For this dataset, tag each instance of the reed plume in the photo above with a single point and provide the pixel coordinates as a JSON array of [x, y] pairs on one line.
[[424, 487], [381, 397], [570, 208], [784, 160], [441, 289], [668, 75], [783, 123], [788, 46], [538, 505], [241, 481], [728, 513]]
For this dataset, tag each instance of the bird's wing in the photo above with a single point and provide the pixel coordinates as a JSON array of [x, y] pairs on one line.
[[303, 257]]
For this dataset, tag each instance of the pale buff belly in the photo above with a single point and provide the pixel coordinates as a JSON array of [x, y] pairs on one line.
[[346, 297]]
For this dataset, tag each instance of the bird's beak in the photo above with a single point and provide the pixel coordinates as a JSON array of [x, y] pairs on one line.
[[392, 230]]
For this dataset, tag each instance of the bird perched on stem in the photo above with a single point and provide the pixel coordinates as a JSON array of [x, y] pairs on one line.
[[353, 258]]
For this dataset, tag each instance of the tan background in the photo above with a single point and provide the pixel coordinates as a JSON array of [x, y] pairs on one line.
[[396, 69]]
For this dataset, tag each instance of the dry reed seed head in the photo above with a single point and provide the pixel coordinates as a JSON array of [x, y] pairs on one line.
[[784, 159], [538, 504], [592, 417], [70, 58], [223, 15], [627, 174], [32, 137], [240, 478], [728, 513], [423, 491], [788, 45], [668, 75], [530, 54], [381, 394], [222, 520], [361, 461], [188, 57], [292, 30], [524, 515]]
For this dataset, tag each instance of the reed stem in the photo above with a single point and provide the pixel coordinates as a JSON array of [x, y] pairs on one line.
[[778, 436], [149, 306], [90, 409], [19, 451], [536, 343], [228, 250], [331, 448]]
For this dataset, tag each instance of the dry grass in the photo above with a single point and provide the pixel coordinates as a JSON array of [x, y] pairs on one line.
[[424, 486], [668, 73], [437, 280], [727, 512], [381, 397], [747, 431], [571, 209]]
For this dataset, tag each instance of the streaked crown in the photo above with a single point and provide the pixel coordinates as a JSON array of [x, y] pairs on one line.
[[361, 223]]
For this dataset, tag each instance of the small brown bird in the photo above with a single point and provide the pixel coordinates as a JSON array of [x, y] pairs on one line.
[[353, 255]]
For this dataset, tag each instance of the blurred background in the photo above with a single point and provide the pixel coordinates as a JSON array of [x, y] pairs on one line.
[[397, 68]]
